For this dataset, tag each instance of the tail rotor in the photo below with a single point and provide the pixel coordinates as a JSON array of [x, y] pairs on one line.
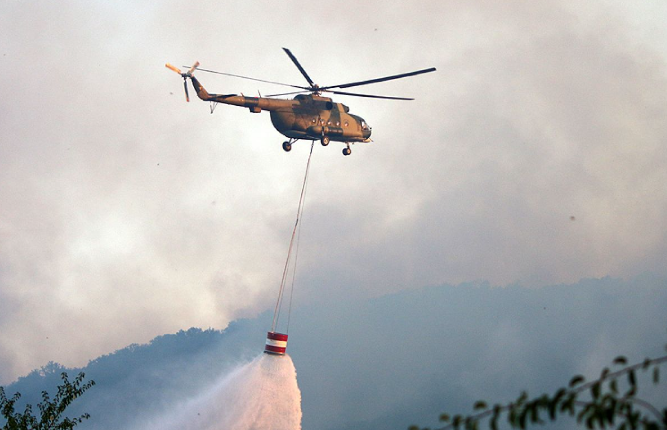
[[185, 76]]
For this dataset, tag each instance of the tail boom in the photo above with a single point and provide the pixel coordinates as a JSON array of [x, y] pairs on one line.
[[255, 104]]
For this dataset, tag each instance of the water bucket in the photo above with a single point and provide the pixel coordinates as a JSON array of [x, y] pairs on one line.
[[276, 343]]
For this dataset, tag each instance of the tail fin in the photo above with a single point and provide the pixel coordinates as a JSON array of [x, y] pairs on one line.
[[201, 91]]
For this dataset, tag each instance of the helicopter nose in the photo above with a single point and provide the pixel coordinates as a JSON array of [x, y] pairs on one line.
[[367, 133]]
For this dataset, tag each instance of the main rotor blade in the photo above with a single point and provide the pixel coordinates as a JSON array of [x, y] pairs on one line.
[[371, 96], [298, 65], [252, 79], [386, 78], [185, 85]]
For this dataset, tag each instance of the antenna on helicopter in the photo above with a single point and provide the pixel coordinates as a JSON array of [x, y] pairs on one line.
[[186, 75]]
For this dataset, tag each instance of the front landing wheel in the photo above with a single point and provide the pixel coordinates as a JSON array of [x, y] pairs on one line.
[[347, 151], [325, 140], [287, 146]]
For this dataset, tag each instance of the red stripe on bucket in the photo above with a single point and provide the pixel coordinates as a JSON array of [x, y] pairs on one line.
[[276, 343], [276, 336]]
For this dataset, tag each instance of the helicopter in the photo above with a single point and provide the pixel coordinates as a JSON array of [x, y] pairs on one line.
[[307, 116]]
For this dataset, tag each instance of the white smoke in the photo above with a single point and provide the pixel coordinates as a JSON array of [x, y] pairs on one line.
[[260, 395]]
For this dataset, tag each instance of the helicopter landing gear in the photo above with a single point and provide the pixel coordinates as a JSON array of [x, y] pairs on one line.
[[287, 146], [347, 151], [325, 140]]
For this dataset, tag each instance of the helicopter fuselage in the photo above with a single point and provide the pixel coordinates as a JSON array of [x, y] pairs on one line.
[[306, 116]]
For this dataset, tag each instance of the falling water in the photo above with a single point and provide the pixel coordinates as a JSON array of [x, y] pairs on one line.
[[260, 395]]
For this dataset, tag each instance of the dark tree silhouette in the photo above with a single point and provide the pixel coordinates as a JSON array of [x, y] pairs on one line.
[[51, 411], [608, 402]]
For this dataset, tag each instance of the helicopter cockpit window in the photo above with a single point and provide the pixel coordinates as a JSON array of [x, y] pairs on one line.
[[364, 125]]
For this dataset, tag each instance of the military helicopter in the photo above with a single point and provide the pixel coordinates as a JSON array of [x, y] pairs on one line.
[[309, 115]]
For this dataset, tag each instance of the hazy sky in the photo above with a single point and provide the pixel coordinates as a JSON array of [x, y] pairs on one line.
[[126, 213]]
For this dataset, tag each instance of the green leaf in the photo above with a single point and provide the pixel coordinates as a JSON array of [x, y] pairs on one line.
[[568, 404], [633, 419], [577, 380], [582, 413], [595, 390], [480, 405], [604, 373], [511, 417], [553, 408], [522, 419], [590, 421], [494, 419], [632, 379], [559, 394], [610, 411], [621, 360], [650, 425], [535, 414], [470, 423]]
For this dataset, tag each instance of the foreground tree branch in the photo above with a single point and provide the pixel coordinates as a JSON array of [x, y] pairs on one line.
[[605, 404], [51, 412]]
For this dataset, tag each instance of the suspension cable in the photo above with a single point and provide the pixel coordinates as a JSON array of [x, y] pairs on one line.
[[299, 213]]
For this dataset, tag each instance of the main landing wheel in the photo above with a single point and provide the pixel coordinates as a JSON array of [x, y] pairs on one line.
[[325, 140], [287, 146], [347, 151]]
